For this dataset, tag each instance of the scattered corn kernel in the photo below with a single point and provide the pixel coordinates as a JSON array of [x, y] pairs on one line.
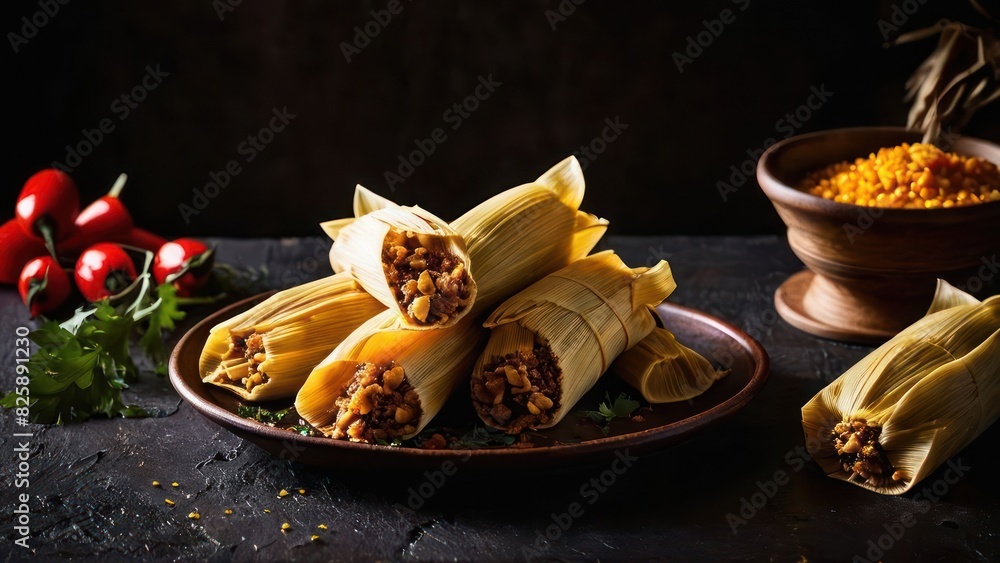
[[917, 176], [168, 501], [302, 491], [156, 483], [322, 526], [194, 516], [285, 527], [229, 512], [267, 511], [175, 484], [314, 537], [283, 493]]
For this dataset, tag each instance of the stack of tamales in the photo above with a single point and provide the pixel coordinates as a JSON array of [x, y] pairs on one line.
[[404, 316]]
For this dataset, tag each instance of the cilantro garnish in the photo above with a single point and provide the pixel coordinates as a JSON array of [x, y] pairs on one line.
[[622, 407], [260, 414], [82, 364]]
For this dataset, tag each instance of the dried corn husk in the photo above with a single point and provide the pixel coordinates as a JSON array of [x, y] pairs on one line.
[[434, 362], [299, 327], [929, 392], [584, 315], [361, 249], [518, 236], [664, 370], [961, 76]]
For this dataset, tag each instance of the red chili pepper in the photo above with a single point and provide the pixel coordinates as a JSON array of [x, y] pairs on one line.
[[43, 285], [16, 248], [48, 206], [103, 270], [143, 239], [185, 263], [106, 219]]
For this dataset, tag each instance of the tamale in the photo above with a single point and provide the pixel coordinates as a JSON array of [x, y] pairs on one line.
[[517, 236], [551, 342], [412, 262], [385, 382], [906, 408], [268, 351], [664, 370]]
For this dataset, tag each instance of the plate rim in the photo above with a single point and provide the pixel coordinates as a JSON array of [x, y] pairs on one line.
[[237, 424]]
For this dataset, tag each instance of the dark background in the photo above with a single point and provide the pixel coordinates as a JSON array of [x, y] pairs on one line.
[[353, 120]]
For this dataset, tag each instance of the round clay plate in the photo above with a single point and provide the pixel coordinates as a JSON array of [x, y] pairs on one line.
[[575, 440]]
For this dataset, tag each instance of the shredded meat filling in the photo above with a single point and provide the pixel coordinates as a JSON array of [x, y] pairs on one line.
[[251, 350], [519, 391], [379, 404], [861, 454], [431, 284]]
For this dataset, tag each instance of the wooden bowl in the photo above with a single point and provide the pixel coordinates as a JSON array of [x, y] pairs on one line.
[[871, 271]]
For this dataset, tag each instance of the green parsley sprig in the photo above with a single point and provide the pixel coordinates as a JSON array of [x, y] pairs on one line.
[[82, 364], [622, 407]]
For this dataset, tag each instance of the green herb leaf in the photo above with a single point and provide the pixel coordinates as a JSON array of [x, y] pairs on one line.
[[622, 407], [260, 414], [482, 437], [163, 318], [82, 365], [73, 377]]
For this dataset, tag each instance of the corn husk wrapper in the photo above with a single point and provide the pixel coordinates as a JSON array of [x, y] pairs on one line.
[[587, 313], [933, 388], [299, 327], [358, 249], [435, 362], [664, 370], [517, 236]]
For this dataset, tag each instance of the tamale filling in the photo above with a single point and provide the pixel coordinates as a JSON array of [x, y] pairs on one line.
[[432, 285], [251, 349], [861, 454], [520, 390], [379, 404]]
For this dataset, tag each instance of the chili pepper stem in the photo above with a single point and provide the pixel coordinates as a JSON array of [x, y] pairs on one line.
[[47, 230], [118, 186]]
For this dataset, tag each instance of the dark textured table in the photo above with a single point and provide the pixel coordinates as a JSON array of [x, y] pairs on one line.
[[740, 491]]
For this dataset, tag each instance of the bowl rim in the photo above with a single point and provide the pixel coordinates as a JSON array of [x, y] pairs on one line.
[[778, 191]]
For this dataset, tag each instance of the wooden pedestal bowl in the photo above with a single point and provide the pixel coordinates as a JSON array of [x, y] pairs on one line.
[[871, 271]]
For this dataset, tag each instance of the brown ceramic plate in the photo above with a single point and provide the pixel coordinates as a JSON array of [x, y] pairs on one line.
[[575, 440]]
